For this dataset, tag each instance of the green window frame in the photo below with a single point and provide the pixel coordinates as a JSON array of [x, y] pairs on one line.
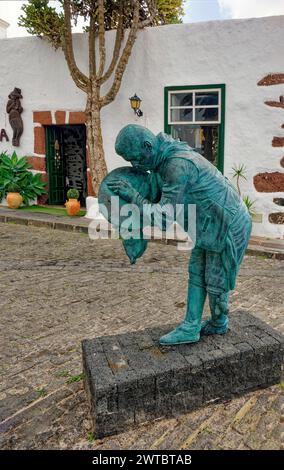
[[220, 121]]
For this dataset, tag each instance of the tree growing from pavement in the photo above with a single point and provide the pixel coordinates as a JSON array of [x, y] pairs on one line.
[[127, 17]]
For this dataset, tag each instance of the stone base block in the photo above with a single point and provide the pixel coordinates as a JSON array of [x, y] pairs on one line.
[[130, 379]]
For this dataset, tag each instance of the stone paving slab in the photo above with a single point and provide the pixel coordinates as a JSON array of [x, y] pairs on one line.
[[58, 288], [131, 379]]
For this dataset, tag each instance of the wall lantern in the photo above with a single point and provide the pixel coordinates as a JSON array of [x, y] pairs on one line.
[[135, 102]]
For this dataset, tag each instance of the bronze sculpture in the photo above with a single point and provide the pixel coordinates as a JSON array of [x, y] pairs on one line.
[[14, 109], [178, 175]]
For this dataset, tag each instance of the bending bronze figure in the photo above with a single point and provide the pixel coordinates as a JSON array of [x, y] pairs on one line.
[[172, 173]]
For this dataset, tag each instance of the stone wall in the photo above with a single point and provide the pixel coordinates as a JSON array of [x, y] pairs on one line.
[[273, 182]]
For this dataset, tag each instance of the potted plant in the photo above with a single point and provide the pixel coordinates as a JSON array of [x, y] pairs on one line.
[[15, 170], [14, 198], [72, 205]]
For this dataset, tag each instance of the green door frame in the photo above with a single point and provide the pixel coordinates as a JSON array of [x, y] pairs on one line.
[[221, 143]]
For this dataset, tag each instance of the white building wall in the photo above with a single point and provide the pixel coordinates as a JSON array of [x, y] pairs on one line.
[[237, 53], [3, 28]]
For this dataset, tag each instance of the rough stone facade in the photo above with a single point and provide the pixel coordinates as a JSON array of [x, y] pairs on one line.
[[272, 79], [279, 201], [276, 218], [269, 182], [275, 104], [274, 181], [278, 141], [130, 379]]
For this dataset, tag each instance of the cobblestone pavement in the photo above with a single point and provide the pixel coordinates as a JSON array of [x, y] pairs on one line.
[[58, 288]]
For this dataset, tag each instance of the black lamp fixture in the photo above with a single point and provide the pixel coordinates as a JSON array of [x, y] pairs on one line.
[[135, 102]]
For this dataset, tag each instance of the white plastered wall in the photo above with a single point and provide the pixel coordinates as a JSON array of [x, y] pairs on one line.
[[237, 53]]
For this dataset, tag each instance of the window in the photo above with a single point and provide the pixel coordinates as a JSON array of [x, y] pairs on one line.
[[196, 115]]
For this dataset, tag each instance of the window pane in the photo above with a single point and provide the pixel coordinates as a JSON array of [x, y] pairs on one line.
[[181, 99], [203, 139], [181, 115], [206, 114], [206, 98]]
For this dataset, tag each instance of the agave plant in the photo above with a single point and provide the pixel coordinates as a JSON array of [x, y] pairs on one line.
[[249, 203], [15, 171], [14, 164], [32, 187], [12, 170], [2, 154]]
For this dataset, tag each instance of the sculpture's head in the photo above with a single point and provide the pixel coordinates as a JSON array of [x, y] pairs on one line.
[[137, 145], [15, 94]]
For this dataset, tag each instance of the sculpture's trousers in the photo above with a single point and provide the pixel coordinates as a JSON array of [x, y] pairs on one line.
[[217, 272]]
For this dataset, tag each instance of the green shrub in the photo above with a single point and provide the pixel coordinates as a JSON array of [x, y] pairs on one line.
[[32, 187], [73, 193], [2, 154], [13, 188], [14, 170]]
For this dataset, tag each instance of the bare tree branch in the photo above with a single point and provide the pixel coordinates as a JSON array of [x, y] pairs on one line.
[[116, 51], [92, 49], [115, 56], [79, 78], [102, 46], [110, 96], [153, 12]]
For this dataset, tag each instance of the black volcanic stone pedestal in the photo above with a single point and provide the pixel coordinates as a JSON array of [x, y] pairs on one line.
[[131, 379]]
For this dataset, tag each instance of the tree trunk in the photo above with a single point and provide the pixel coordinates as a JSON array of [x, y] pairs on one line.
[[97, 163]]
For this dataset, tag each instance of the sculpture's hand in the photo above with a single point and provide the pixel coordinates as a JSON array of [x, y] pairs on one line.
[[123, 189]]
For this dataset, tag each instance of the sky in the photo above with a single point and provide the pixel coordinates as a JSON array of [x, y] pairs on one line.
[[196, 10]]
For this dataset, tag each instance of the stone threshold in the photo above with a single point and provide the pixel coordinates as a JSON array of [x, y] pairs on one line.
[[272, 248], [68, 224], [261, 246]]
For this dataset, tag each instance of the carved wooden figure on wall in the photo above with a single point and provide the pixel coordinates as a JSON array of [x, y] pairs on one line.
[[14, 109]]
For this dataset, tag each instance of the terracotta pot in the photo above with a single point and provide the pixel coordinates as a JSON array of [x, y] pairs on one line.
[[14, 200], [72, 206]]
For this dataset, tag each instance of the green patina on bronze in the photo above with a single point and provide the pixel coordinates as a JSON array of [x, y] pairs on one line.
[[165, 171]]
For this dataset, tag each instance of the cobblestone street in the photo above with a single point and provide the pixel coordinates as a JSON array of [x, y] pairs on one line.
[[58, 288]]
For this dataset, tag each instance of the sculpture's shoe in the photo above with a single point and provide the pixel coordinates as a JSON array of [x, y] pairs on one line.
[[209, 327], [186, 332]]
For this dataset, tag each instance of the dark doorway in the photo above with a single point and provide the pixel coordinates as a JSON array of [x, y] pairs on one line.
[[66, 162]]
